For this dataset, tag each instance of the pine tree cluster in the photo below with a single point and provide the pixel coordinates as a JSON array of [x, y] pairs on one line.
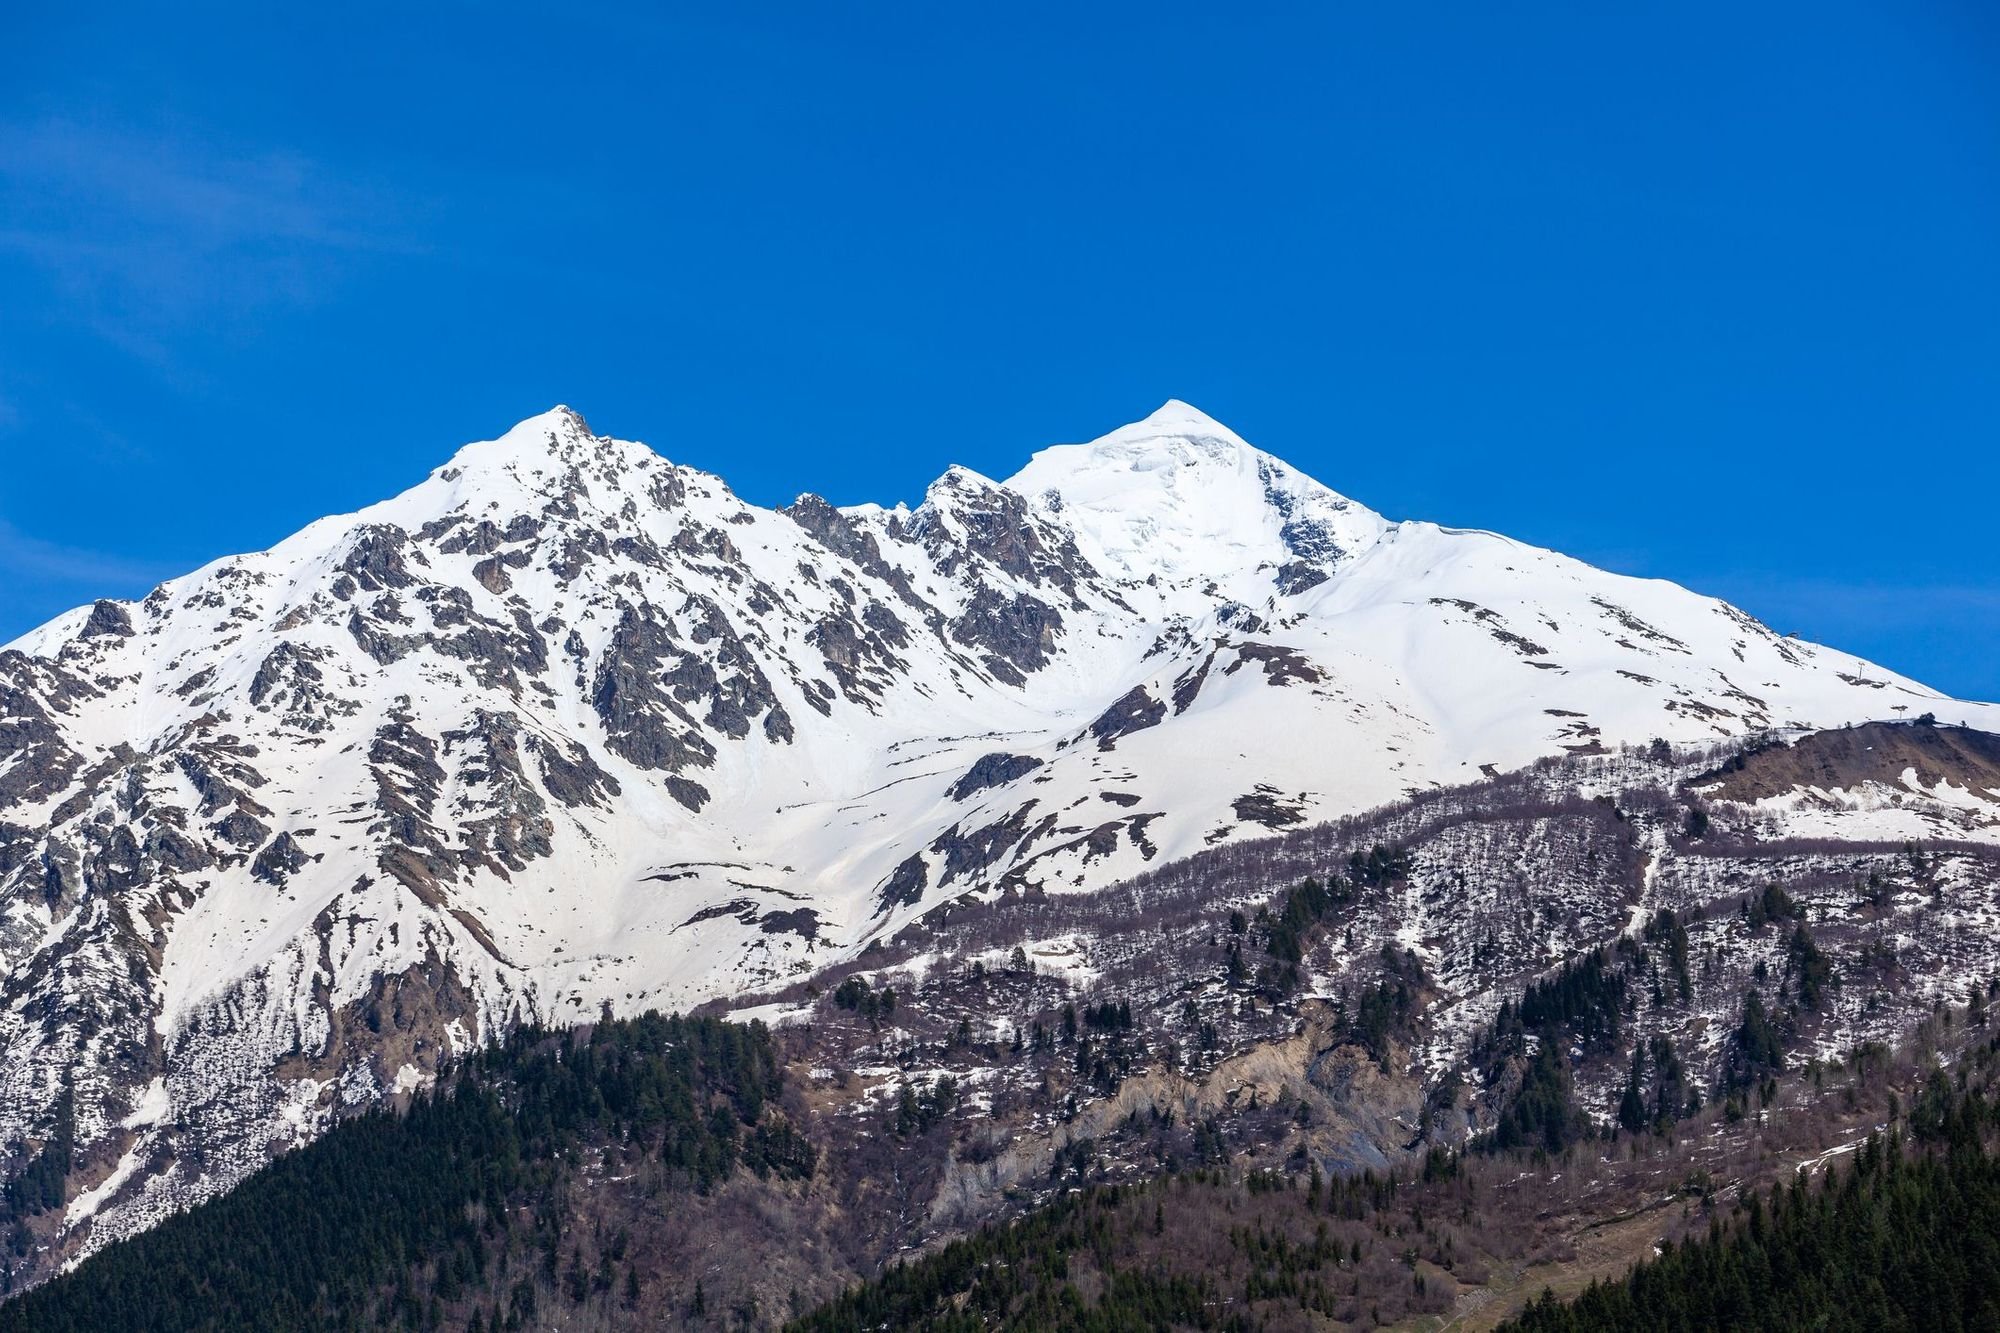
[[309, 1242]]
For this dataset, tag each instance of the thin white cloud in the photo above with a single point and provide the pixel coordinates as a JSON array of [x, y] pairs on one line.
[[146, 234], [1942, 634], [1872, 605], [99, 572]]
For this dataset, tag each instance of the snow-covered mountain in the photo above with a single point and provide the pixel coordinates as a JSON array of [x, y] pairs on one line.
[[567, 725]]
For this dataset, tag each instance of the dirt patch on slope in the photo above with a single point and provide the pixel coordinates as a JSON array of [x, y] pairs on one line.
[[1873, 752]]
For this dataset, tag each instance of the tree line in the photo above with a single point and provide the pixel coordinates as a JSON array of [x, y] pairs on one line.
[[315, 1239]]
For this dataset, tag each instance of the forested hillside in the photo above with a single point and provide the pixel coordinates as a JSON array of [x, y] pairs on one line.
[[496, 1202], [1907, 1237], [404, 1219]]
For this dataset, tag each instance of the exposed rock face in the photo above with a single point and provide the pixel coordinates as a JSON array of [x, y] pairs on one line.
[[1297, 576], [35, 763], [992, 770], [567, 725], [376, 558], [1135, 710], [1017, 633], [970, 853], [280, 860], [634, 695], [905, 887], [107, 620], [1268, 807]]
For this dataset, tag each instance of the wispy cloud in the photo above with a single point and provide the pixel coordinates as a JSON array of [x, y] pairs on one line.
[[1876, 606], [97, 573], [143, 235], [1945, 634]]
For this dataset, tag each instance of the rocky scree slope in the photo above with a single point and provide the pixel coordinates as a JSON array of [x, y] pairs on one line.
[[568, 726]]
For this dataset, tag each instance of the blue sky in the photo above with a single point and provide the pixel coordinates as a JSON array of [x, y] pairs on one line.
[[1704, 292]]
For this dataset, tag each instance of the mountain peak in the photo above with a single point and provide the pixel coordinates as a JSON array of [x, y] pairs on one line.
[[1175, 419], [540, 436], [1175, 436], [556, 448], [1178, 489]]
